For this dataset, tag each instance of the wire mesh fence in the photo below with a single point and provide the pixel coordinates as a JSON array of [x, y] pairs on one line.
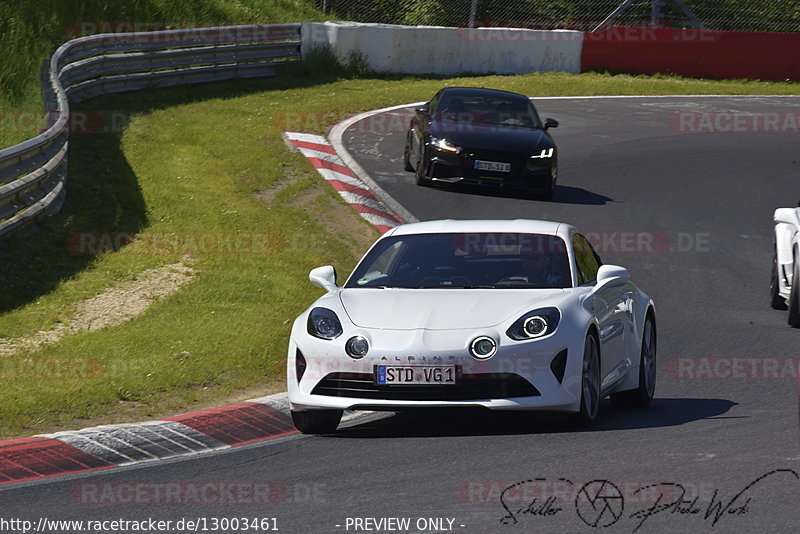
[[586, 15]]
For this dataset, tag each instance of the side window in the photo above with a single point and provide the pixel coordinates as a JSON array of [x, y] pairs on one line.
[[586, 258], [434, 102]]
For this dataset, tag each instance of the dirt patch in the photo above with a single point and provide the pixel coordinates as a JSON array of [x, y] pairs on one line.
[[112, 307], [268, 195]]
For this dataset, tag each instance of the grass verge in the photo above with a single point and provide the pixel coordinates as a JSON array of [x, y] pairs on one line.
[[201, 177]]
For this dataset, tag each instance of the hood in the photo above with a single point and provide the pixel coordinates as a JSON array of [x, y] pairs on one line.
[[441, 309], [491, 137]]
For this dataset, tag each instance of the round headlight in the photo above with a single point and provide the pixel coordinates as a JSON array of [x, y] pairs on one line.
[[324, 324], [483, 347], [356, 347], [535, 326]]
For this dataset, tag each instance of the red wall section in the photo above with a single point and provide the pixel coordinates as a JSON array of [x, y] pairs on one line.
[[693, 53]]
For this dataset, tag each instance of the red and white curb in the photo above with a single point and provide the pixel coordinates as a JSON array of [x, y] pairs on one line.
[[108, 446], [327, 162]]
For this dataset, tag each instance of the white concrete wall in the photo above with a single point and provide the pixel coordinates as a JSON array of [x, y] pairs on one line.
[[440, 50]]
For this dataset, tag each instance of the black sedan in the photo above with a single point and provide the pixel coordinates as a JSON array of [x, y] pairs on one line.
[[483, 137]]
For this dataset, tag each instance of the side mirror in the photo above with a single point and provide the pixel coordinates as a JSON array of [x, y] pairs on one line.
[[324, 277], [550, 123], [787, 216], [611, 276], [423, 108]]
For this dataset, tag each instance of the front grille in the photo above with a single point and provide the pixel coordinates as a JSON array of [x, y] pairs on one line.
[[470, 387]]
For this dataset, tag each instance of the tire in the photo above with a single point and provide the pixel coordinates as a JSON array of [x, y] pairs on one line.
[[642, 396], [590, 384], [317, 421], [420, 170], [776, 301], [794, 298], [407, 155]]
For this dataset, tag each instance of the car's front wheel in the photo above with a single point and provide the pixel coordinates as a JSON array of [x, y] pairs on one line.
[[642, 396], [776, 301], [420, 170], [794, 298], [317, 421], [590, 383], [407, 155]]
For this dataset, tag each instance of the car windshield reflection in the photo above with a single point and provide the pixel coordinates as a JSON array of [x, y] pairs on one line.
[[465, 261]]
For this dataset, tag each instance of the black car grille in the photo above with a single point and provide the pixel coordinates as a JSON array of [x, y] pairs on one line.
[[469, 387]]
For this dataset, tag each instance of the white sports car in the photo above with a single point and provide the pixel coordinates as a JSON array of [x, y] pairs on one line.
[[786, 263], [499, 314]]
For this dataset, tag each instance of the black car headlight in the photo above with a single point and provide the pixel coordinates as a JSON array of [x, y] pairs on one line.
[[535, 324], [324, 324], [441, 143], [546, 153]]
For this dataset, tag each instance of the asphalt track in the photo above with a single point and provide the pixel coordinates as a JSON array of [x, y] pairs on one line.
[[723, 427]]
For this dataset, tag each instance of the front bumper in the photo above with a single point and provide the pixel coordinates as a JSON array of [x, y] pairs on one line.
[[520, 376], [535, 175]]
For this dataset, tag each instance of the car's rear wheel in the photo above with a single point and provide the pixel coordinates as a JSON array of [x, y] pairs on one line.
[[407, 155], [642, 396], [794, 298], [777, 301], [317, 421], [590, 383]]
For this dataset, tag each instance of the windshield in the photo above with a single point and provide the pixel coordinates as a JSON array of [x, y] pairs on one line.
[[465, 260], [481, 109]]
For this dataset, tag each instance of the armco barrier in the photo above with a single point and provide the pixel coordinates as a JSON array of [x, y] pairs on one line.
[[439, 50], [693, 53], [33, 173]]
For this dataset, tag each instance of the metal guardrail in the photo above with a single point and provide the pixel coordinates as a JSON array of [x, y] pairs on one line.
[[33, 173]]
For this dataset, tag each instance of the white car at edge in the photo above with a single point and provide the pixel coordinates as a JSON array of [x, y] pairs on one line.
[[786, 263], [499, 314]]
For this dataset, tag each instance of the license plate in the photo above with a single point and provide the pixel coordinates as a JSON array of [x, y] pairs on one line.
[[497, 166], [415, 374]]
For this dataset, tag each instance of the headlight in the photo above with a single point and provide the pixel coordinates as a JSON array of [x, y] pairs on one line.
[[356, 347], [443, 144], [535, 324], [483, 347], [324, 324], [544, 154]]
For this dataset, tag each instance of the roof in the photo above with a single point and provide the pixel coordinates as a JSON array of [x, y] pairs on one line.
[[482, 91], [522, 226]]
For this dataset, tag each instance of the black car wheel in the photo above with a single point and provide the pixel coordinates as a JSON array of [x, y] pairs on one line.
[[317, 421], [407, 155], [590, 384], [794, 298], [777, 302], [420, 170], [642, 395]]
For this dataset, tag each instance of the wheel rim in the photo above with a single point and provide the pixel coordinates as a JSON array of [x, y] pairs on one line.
[[591, 378], [649, 357]]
